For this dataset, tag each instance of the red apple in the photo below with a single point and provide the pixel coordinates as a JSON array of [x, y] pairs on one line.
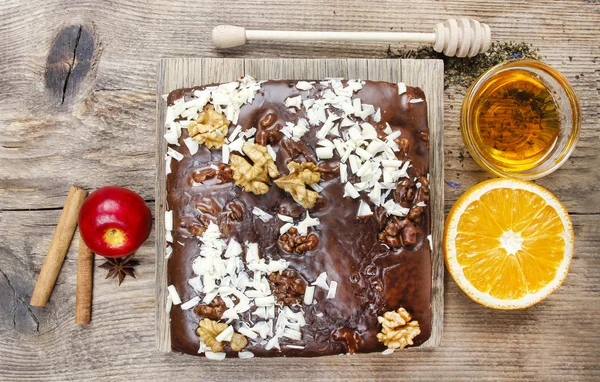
[[114, 221]]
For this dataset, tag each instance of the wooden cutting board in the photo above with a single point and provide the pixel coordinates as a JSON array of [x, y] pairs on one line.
[[174, 73]]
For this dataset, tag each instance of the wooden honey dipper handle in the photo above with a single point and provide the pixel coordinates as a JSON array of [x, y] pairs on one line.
[[460, 38]]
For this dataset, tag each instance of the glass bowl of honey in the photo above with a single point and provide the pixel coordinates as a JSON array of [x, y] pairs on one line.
[[520, 119]]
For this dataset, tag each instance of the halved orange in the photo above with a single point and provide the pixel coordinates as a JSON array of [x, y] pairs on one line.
[[508, 243]]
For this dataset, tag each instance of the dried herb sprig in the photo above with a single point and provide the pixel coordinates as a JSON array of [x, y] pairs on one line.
[[461, 72]]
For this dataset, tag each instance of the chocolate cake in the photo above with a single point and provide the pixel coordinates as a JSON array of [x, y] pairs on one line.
[[298, 220]]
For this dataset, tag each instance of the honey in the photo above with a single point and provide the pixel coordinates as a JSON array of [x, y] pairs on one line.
[[514, 120]]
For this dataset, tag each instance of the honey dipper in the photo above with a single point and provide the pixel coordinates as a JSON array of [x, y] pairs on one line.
[[460, 38]]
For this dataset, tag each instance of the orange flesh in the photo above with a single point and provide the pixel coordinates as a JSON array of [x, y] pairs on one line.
[[114, 237], [510, 243]]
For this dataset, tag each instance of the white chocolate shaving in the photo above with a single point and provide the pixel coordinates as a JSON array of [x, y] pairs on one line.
[[237, 145], [215, 356], [168, 160], [332, 290], [294, 102], [235, 133], [225, 151], [304, 85], [309, 294], [262, 215], [364, 209], [169, 220], [316, 186], [321, 281], [226, 334], [271, 152], [401, 88], [174, 295], [192, 145], [190, 303], [176, 155], [350, 191], [343, 173], [324, 152]]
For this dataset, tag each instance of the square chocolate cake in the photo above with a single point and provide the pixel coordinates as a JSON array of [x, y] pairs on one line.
[[298, 218]]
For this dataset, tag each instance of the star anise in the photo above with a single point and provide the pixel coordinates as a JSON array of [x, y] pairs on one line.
[[120, 267]]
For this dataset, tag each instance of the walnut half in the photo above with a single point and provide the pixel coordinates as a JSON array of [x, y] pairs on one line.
[[209, 129], [208, 330], [397, 329], [288, 287], [238, 342], [254, 178], [291, 241], [301, 174], [400, 233]]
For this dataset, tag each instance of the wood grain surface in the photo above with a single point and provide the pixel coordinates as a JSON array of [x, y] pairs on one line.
[[426, 74], [104, 133]]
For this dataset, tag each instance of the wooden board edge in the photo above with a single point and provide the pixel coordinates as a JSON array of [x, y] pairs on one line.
[[162, 329], [437, 113], [433, 85]]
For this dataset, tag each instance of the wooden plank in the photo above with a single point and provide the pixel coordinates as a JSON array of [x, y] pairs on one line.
[[426, 74], [269, 68], [385, 70], [106, 135], [357, 68], [336, 68], [216, 71]]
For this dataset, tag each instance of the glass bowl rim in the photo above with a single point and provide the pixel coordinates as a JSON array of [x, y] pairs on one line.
[[574, 108]]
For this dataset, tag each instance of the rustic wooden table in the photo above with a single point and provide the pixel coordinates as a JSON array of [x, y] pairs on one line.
[[77, 85]]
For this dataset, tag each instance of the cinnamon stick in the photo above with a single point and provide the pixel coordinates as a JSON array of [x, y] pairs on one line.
[[83, 292], [59, 247]]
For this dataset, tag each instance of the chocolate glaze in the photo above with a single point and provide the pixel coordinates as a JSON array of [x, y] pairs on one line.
[[372, 278]]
